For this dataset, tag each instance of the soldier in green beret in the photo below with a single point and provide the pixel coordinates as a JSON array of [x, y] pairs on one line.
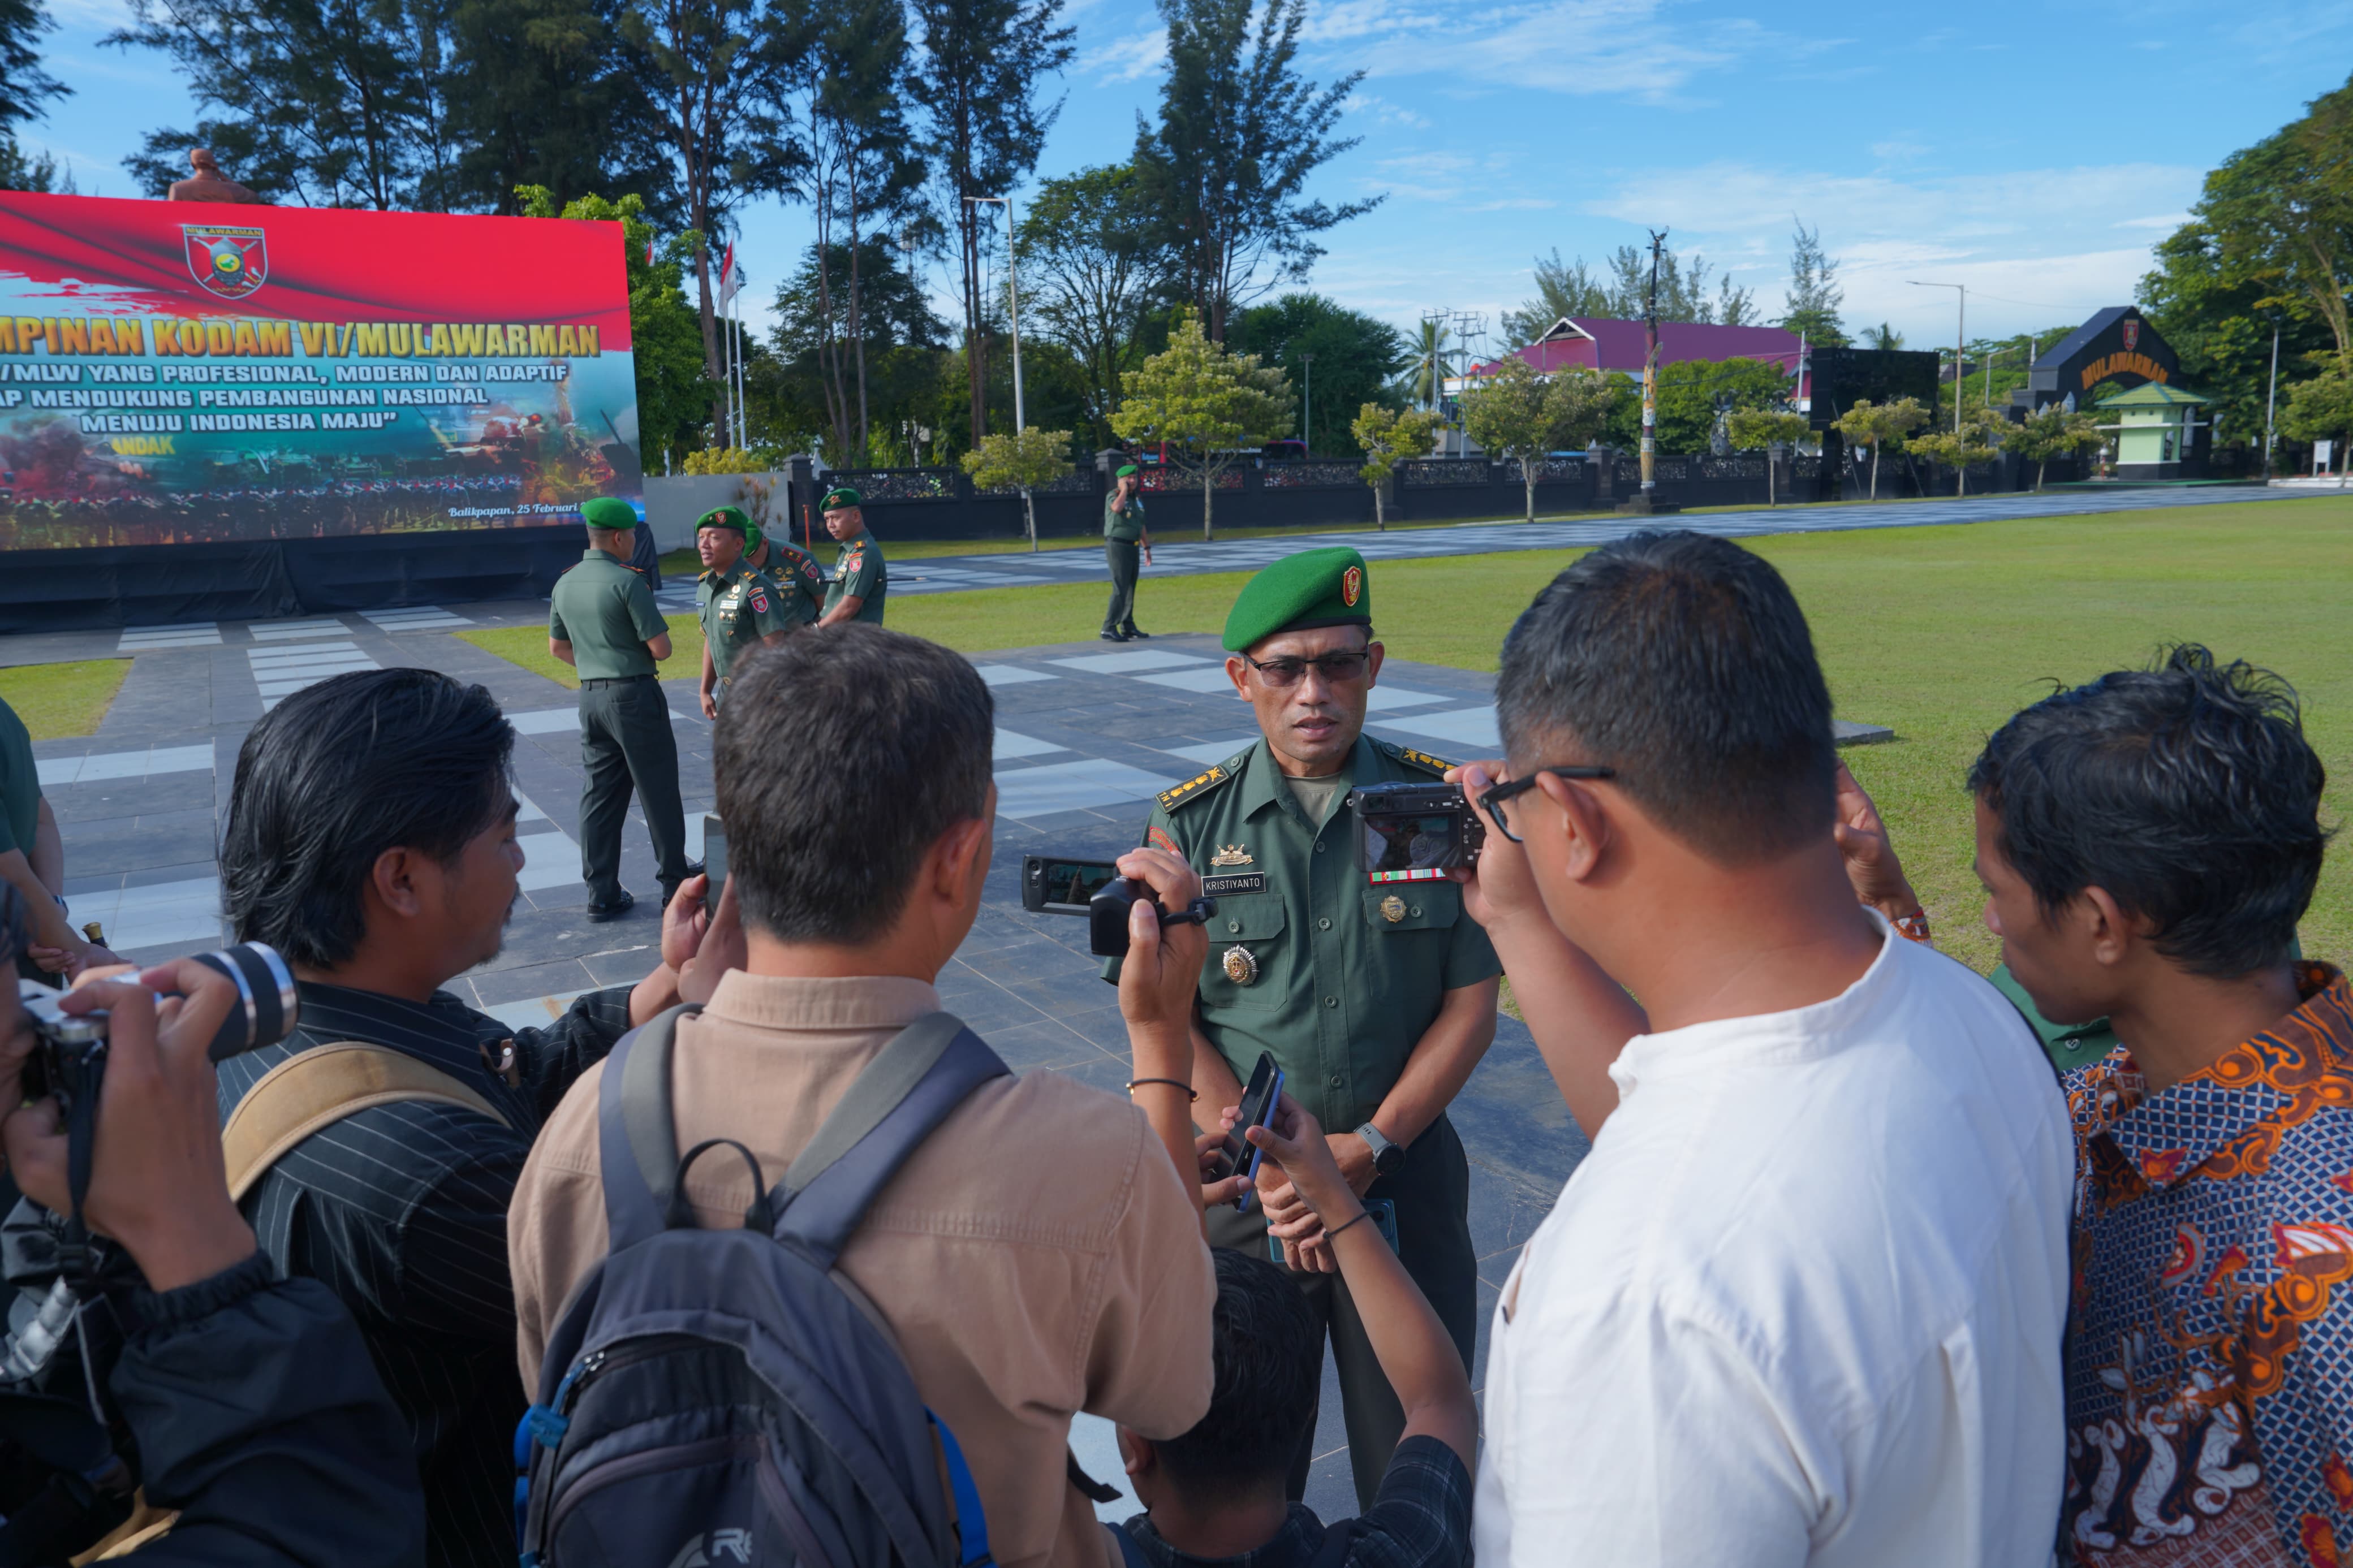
[[860, 581], [738, 606], [1375, 1001], [602, 621], [800, 581], [1125, 535]]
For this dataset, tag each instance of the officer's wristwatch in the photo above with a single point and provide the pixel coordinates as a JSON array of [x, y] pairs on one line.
[[1387, 1156]]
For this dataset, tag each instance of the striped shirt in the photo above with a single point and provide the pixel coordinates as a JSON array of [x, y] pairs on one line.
[[1419, 1519], [401, 1211]]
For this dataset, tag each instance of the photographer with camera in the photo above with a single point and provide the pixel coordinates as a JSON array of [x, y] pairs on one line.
[[1034, 1254], [1803, 1302], [251, 1401]]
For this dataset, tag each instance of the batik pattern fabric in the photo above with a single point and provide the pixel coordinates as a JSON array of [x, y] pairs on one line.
[[2210, 1361]]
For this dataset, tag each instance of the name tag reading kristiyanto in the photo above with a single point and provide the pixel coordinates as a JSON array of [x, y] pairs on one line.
[[1238, 882]]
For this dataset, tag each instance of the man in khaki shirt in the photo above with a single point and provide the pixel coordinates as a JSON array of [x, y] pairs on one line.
[[1038, 1255]]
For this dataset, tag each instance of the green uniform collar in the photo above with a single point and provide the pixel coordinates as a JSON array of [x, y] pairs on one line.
[[1262, 782]]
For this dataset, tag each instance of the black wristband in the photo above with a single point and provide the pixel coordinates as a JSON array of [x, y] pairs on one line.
[[1362, 1215]]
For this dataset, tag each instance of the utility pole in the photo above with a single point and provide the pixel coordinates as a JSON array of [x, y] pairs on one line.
[[1991, 355], [1645, 501], [1307, 416], [1960, 342], [2271, 401], [1013, 296]]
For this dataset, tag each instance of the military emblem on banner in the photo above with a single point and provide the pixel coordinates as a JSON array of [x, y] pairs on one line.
[[229, 262], [2132, 336]]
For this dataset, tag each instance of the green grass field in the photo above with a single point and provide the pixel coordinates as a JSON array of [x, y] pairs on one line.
[[1940, 633], [527, 645], [63, 702]]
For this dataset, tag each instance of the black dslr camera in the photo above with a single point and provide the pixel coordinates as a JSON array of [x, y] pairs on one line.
[[70, 1060], [1415, 832], [1056, 886]]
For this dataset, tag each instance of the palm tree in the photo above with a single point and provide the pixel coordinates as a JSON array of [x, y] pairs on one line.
[[1427, 370], [1882, 336]]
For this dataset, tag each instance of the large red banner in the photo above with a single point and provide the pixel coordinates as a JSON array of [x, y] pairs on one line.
[[177, 372]]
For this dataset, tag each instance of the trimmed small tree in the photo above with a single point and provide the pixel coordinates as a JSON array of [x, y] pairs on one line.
[[1510, 415], [1034, 456], [2321, 409], [1207, 405], [1873, 425], [1755, 428], [1581, 402], [1976, 441], [1388, 437], [2050, 432]]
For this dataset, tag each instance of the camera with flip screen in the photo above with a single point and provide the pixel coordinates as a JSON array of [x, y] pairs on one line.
[[69, 1058], [1062, 885], [1415, 832]]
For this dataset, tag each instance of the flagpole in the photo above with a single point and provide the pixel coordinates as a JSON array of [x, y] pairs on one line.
[[743, 404]]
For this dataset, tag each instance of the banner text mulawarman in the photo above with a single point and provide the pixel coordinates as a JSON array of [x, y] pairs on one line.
[[178, 337]]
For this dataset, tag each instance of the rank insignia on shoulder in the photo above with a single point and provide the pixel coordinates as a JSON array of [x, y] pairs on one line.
[[1191, 788], [1418, 759]]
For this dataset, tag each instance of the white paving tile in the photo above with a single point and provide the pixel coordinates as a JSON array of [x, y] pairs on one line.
[[545, 721], [278, 631], [1012, 674], [419, 617], [137, 764], [1213, 679], [549, 857], [186, 633], [1207, 751], [153, 915], [1131, 663], [1011, 743], [1382, 698], [1072, 786], [1465, 726]]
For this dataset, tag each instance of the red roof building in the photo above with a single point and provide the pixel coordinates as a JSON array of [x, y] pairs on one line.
[[1599, 344]]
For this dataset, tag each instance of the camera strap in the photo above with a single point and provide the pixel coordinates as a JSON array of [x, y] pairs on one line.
[[75, 1263]]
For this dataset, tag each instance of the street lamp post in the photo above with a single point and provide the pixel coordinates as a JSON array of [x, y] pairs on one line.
[[1013, 296], [1960, 340], [1307, 400], [2271, 401]]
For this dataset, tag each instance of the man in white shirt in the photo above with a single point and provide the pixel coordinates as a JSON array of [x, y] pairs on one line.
[[1803, 1302]]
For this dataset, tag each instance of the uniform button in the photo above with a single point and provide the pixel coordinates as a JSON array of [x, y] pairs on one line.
[[1233, 925], [1415, 912], [1325, 922], [1331, 1001], [1335, 1080], [1319, 849]]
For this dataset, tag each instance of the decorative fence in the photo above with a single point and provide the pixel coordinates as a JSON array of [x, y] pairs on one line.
[[944, 503]]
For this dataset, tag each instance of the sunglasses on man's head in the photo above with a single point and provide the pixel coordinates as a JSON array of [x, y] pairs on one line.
[[1491, 803]]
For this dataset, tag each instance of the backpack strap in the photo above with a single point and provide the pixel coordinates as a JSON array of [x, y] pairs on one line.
[[636, 1141], [314, 1089], [893, 1104], [1123, 1548]]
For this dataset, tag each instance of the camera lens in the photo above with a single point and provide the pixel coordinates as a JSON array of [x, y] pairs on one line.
[[267, 1007]]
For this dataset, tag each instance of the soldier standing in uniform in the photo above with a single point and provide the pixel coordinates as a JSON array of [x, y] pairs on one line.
[[737, 605], [1124, 535], [602, 621], [800, 581], [1376, 1003], [860, 581]]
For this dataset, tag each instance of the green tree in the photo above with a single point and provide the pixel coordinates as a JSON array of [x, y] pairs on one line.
[[1976, 441], [2281, 212], [810, 382], [1094, 272], [1873, 425], [1690, 393], [1240, 133], [1032, 458], [1522, 418], [1811, 304], [19, 172], [1387, 436], [1426, 363], [24, 86], [1762, 430], [1207, 405], [1582, 402], [1883, 337], [2050, 432], [662, 337], [1574, 289], [1355, 357], [2321, 409], [976, 77]]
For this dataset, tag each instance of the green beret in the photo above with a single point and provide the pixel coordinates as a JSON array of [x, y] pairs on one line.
[[725, 517], [607, 512], [1126, 469], [838, 497], [1325, 587]]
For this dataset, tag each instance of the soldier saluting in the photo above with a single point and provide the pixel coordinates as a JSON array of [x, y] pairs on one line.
[[1375, 1003]]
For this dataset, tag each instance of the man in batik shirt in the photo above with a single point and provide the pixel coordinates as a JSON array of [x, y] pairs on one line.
[[2147, 843]]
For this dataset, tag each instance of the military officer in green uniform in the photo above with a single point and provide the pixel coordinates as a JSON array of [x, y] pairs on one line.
[[738, 605], [602, 621], [800, 581], [860, 581], [1124, 535], [1376, 1001]]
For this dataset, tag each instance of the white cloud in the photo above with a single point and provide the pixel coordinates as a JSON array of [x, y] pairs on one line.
[[1130, 59], [2167, 222]]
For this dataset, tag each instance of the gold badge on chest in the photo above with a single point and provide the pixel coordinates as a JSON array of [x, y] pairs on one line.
[[1242, 968], [1231, 854], [1393, 908]]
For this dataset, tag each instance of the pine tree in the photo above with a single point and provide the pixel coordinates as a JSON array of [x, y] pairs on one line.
[[1811, 305]]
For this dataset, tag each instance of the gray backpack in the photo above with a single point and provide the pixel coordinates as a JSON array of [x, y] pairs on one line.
[[712, 1396]]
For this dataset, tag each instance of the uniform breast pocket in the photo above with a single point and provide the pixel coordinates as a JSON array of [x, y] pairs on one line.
[[1248, 964], [1400, 909]]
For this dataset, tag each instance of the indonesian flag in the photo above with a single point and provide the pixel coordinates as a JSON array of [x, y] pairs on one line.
[[731, 276]]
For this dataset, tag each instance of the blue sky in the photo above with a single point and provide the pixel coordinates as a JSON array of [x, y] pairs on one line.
[[2032, 151]]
